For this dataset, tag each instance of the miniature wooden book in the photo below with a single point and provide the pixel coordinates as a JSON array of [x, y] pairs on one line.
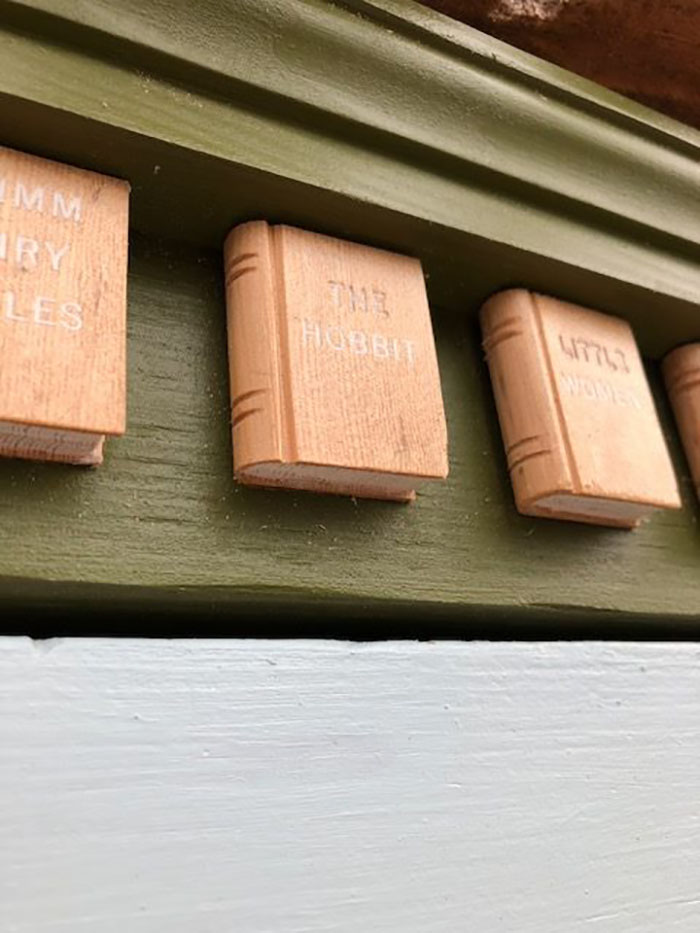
[[681, 369], [63, 258], [582, 438], [334, 378]]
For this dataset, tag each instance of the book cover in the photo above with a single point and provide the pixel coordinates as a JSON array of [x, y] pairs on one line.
[[333, 371], [63, 261], [582, 437], [681, 369]]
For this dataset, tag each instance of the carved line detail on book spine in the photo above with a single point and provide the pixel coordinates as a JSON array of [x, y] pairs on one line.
[[514, 357], [233, 273], [692, 381], [503, 331], [252, 343], [683, 380], [515, 461], [236, 418]]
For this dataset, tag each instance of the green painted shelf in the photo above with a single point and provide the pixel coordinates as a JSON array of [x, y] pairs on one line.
[[385, 123]]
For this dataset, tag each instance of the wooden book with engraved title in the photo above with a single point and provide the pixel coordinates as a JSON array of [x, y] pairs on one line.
[[333, 371], [63, 259], [582, 437]]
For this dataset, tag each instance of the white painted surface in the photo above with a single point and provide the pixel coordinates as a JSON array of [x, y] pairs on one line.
[[251, 786]]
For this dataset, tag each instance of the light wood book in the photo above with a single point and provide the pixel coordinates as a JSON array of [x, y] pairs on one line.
[[582, 437], [63, 260], [333, 371], [681, 368]]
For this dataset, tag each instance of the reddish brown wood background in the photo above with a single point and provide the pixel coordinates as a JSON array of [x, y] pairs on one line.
[[645, 49]]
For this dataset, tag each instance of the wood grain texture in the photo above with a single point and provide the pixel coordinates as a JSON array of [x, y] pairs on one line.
[[333, 373], [581, 432], [681, 368], [63, 258], [174, 529], [303, 787]]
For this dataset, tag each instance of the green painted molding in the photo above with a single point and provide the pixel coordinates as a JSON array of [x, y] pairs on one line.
[[482, 150]]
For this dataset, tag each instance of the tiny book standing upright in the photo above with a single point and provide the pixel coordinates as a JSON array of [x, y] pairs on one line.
[[582, 437], [681, 368], [333, 371], [63, 260]]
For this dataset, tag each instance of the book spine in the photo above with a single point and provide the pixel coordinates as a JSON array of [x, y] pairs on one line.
[[525, 399], [681, 369], [253, 347]]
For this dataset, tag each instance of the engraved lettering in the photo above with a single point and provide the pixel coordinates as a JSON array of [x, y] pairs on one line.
[[610, 363], [42, 308], [598, 350], [55, 255], [337, 345], [66, 210], [597, 390], [379, 346], [570, 383], [38, 200], [71, 315], [604, 390], [357, 341], [621, 354], [354, 298], [358, 299], [569, 351], [589, 351], [336, 292], [379, 303], [27, 201], [42, 311], [588, 388], [310, 330], [630, 398], [26, 252], [584, 345], [10, 304]]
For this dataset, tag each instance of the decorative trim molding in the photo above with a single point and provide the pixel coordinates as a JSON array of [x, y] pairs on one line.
[[400, 126]]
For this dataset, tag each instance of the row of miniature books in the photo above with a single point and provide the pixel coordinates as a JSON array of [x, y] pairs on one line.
[[335, 384], [334, 377]]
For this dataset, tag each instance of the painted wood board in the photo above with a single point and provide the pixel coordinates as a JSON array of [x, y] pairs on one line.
[[194, 786], [163, 524]]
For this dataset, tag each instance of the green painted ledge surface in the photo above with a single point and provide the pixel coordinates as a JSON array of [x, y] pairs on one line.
[[163, 511], [209, 138]]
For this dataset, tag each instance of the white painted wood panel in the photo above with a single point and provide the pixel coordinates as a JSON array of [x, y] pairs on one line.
[[251, 786]]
